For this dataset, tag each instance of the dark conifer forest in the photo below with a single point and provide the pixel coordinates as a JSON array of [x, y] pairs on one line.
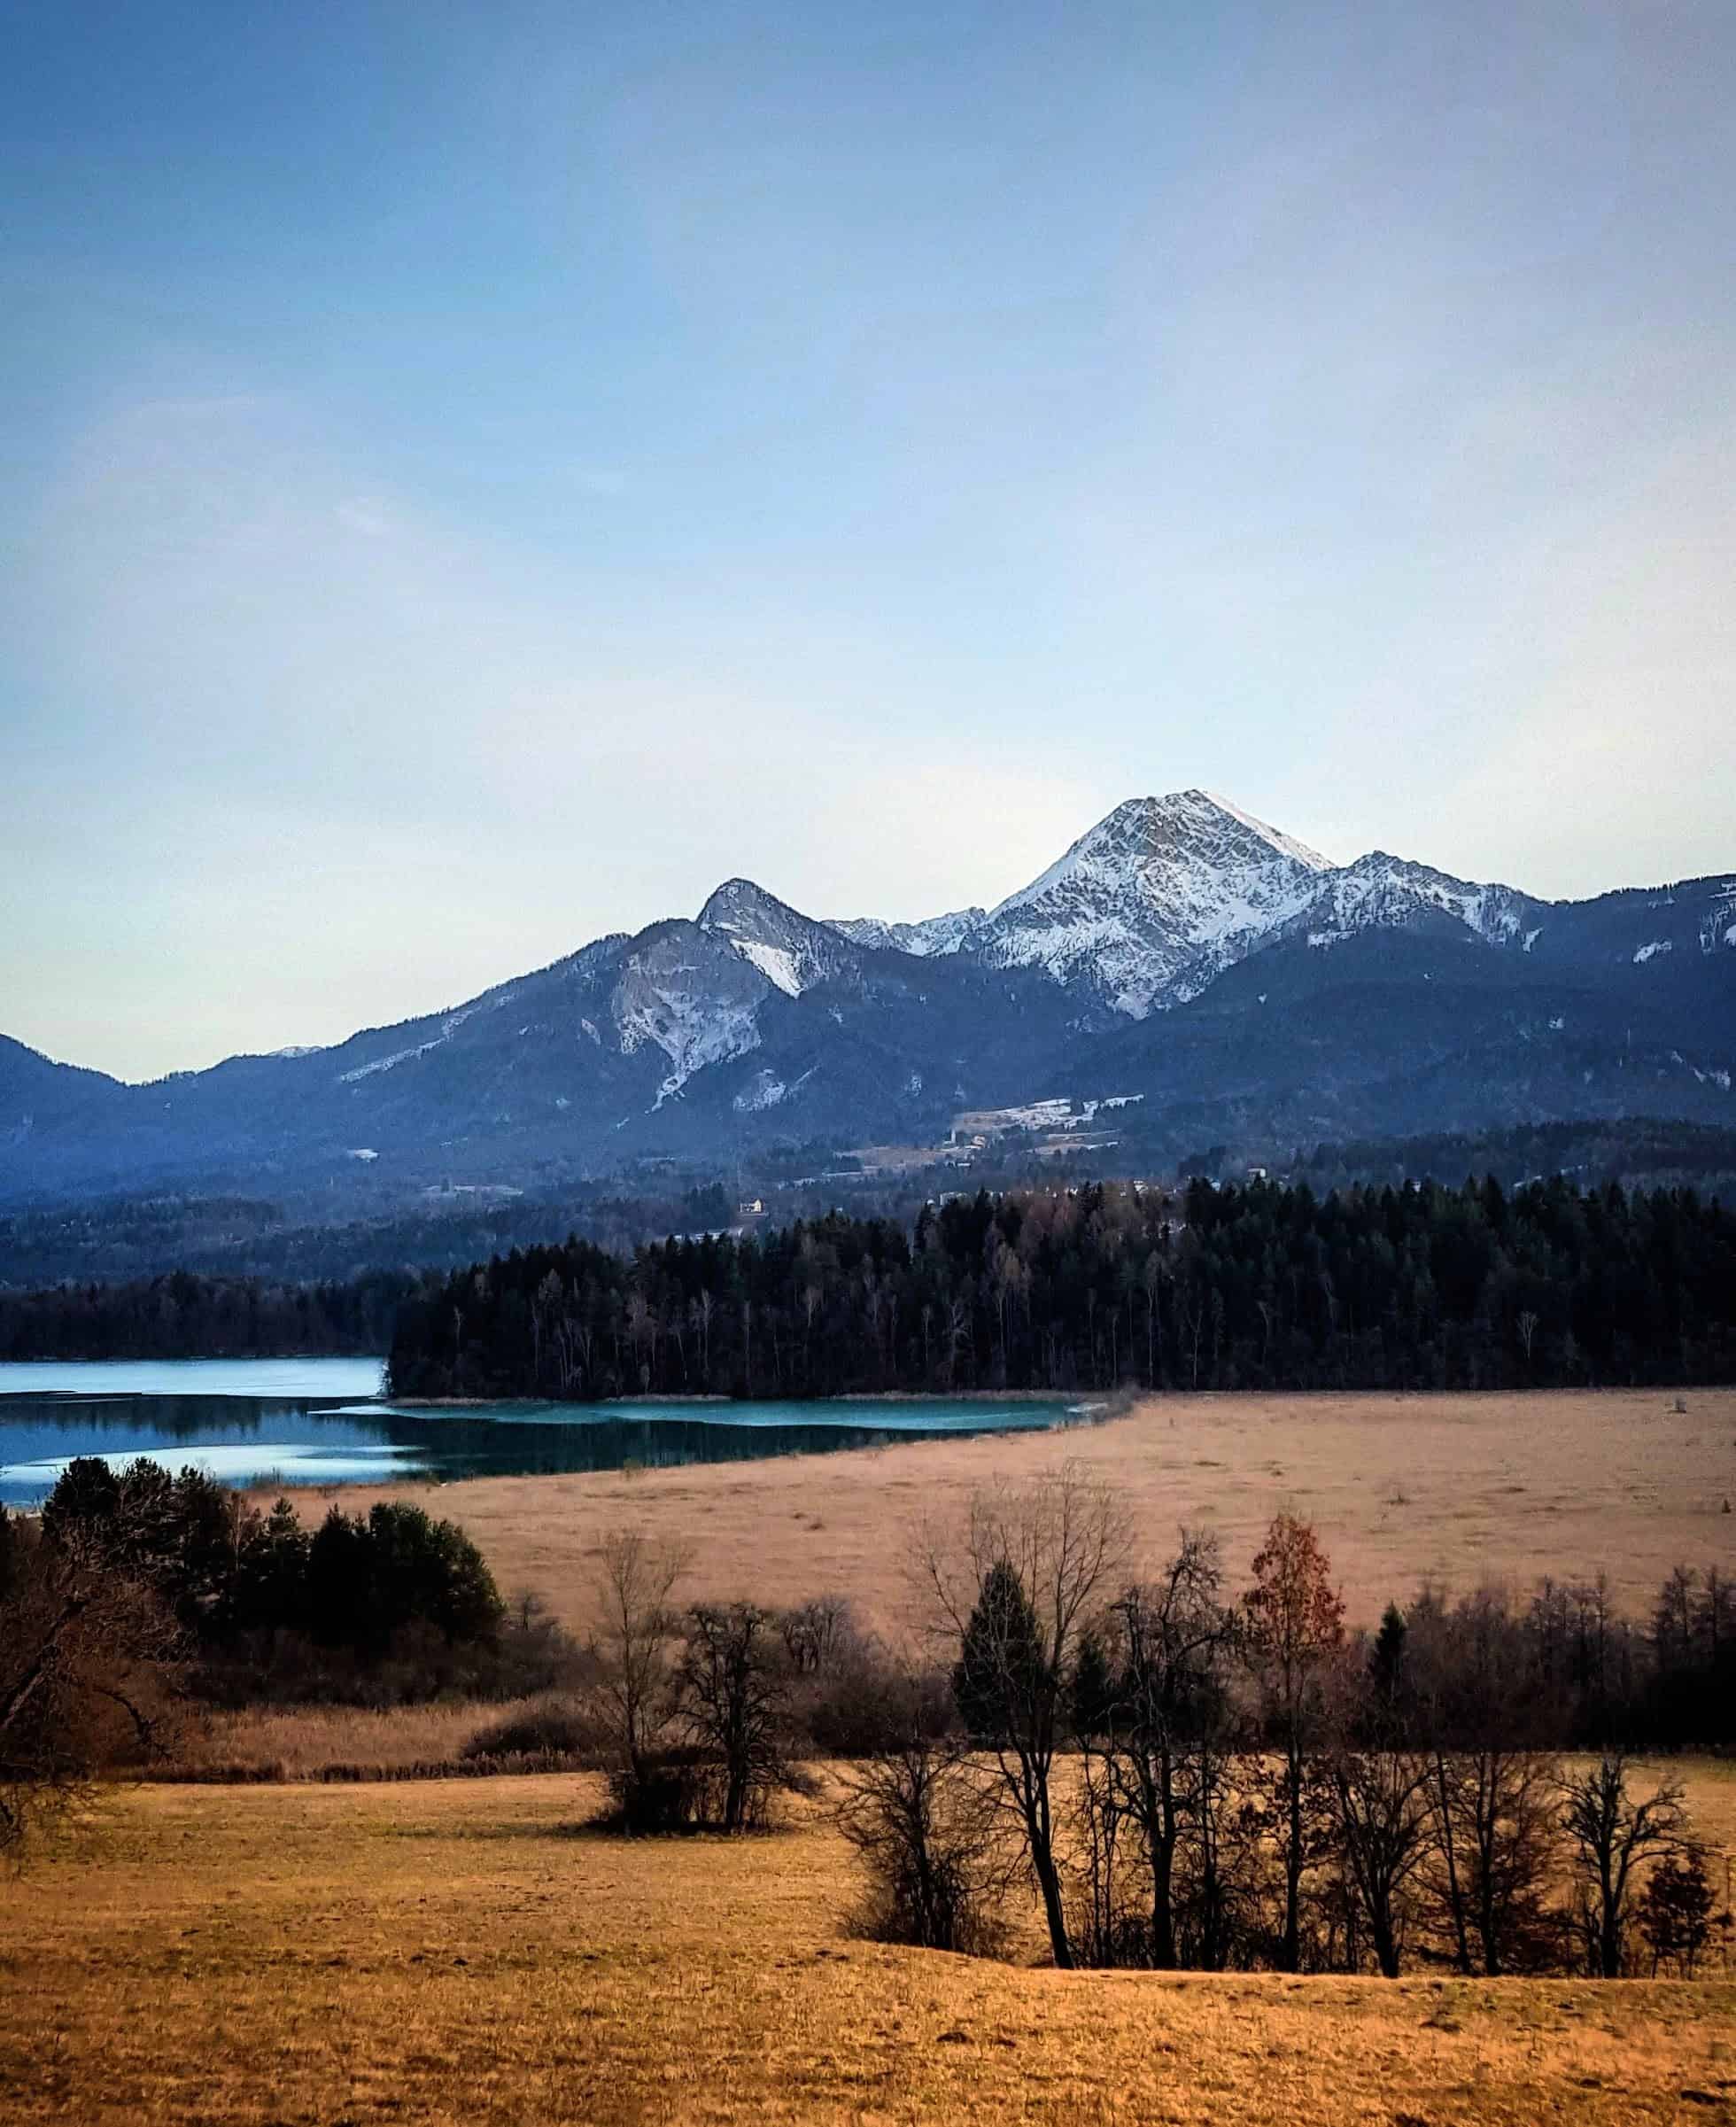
[[182, 1316], [1106, 1286]]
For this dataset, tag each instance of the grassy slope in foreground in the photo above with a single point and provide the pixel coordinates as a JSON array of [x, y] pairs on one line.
[[454, 1952]]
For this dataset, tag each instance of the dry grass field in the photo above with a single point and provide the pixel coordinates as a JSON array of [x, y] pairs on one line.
[[1461, 1487], [467, 1951], [461, 1953], [300, 1741]]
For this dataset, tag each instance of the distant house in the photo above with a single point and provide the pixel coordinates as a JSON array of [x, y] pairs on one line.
[[751, 1207], [1256, 1174]]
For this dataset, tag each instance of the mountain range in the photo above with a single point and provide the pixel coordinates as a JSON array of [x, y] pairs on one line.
[[1208, 976]]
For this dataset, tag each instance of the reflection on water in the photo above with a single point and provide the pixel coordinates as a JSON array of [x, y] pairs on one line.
[[289, 1423]]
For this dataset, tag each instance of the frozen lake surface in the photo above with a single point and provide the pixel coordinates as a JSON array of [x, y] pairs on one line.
[[298, 1422]]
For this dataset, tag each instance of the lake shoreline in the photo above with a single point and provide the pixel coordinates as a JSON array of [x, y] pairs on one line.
[[307, 1425], [1066, 1399], [1452, 1487]]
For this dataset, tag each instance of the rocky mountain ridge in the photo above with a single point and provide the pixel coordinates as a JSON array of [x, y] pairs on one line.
[[1149, 960]]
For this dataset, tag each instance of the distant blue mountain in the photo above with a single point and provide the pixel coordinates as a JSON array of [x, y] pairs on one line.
[[1181, 957]]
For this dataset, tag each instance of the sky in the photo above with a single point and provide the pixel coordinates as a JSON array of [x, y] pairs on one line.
[[474, 476]]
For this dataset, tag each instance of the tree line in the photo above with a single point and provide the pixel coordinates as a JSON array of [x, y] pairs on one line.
[[180, 1315], [1186, 1774], [137, 1595], [1632, 1150], [1106, 1286], [304, 1239]]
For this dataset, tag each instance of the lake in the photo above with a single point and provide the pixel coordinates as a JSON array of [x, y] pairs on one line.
[[298, 1422]]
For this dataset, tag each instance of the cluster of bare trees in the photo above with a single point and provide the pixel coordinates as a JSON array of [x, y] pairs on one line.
[[1180, 1774], [1185, 1778], [694, 1704]]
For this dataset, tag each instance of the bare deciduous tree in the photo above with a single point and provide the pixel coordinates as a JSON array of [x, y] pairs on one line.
[[1496, 1813], [733, 1689], [1171, 1635], [1386, 1832], [815, 1632], [635, 1649], [1613, 1837], [1495, 1795], [1010, 1594]]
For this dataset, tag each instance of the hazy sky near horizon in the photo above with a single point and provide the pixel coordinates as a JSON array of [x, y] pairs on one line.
[[476, 476]]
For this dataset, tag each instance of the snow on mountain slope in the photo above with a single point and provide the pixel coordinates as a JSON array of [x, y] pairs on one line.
[[689, 992], [934, 934], [1717, 925], [821, 1032], [788, 948], [1380, 891], [427, 1034], [1154, 901]]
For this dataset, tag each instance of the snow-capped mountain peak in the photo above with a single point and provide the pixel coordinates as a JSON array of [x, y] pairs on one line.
[[1145, 837], [788, 949], [1155, 900], [1388, 995]]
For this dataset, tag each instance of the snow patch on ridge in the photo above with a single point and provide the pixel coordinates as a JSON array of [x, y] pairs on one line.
[[776, 963], [765, 1089], [390, 1063], [932, 936], [449, 1026]]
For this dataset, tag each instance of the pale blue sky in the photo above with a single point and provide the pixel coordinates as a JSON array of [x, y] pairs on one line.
[[476, 476]]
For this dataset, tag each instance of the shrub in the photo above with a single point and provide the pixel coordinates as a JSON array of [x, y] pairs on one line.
[[544, 1731], [928, 1847], [860, 1705], [663, 1791], [1676, 1911]]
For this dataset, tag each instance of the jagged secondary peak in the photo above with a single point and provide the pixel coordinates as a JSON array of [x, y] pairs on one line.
[[1384, 891], [1156, 899], [789, 949], [932, 936]]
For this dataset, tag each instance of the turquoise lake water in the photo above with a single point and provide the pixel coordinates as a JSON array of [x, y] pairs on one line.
[[322, 1422]]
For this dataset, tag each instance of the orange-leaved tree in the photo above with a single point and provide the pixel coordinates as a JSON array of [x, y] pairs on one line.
[[1295, 1628]]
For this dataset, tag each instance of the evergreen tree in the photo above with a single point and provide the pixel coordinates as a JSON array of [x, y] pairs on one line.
[[1002, 1665]]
